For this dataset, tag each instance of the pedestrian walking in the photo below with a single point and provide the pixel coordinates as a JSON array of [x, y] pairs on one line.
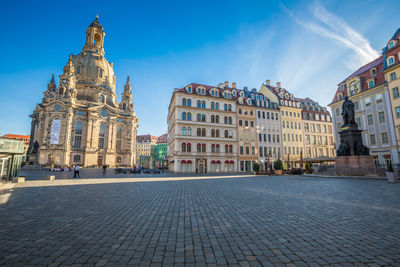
[[104, 169], [76, 171]]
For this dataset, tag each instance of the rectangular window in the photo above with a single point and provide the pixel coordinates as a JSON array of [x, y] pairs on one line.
[[265, 137], [240, 123], [370, 119], [398, 112], [251, 123], [77, 143], [371, 84], [395, 92], [263, 114], [367, 102], [260, 151], [265, 151], [381, 116], [393, 76], [247, 150], [356, 105], [337, 112], [259, 137], [379, 98], [358, 121], [385, 139], [241, 150], [372, 139], [259, 114], [253, 150]]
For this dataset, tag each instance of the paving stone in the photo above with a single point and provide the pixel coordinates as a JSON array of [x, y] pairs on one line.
[[261, 221]]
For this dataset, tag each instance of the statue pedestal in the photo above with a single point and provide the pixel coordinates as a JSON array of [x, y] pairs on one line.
[[354, 165]]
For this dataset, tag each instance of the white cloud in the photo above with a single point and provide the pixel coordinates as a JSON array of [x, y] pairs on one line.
[[332, 27]]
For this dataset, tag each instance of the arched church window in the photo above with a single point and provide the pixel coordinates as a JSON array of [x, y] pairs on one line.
[[102, 132], [78, 70], [78, 134], [57, 107], [104, 113], [77, 158], [101, 73], [101, 98], [119, 139]]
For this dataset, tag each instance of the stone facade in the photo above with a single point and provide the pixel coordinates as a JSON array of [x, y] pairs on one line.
[[79, 121]]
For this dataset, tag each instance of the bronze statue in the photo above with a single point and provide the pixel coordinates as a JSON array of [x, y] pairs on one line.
[[348, 112], [344, 150]]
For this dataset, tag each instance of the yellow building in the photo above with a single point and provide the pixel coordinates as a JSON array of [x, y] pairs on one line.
[[144, 146], [317, 130], [291, 122]]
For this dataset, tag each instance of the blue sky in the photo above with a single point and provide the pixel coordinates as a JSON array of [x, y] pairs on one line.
[[309, 46]]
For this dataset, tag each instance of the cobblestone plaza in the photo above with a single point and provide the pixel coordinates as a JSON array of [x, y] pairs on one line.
[[236, 220]]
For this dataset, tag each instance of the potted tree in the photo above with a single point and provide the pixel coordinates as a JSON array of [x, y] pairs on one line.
[[278, 167], [391, 174], [256, 168]]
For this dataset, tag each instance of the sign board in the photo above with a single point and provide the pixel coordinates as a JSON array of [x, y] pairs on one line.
[[11, 146], [55, 132]]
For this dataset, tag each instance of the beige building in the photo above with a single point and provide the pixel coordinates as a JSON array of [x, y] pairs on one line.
[[144, 147], [317, 130], [79, 121], [202, 129], [391, 70], [291, 122], [368, 90]]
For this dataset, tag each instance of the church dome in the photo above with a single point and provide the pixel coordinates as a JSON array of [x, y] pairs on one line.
[[93, 68]]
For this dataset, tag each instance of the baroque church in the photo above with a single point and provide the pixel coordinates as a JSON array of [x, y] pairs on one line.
[[79, 121]]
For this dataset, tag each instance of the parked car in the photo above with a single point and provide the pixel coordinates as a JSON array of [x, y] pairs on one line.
[[146, 171], [118, 170], [156, 171], [127, 170]]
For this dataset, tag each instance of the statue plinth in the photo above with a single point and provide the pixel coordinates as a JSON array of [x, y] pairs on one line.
[[352, 156], [354, 165]]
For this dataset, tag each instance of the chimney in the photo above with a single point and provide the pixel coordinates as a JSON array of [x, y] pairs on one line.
[[226, 84], [234, 85], [267, 82], [278, 84]]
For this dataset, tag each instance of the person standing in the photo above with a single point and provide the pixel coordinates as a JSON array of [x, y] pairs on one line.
[[76, 171], [104, 169]]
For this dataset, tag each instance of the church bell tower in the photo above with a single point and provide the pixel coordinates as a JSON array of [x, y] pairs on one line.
[[95, 38]]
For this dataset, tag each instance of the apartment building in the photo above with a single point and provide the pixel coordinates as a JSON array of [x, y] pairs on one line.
[[317, 130], [202, 129]]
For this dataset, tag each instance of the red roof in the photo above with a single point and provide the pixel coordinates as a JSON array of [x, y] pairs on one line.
[[146, 138], [209, 87], [26, 138], [364, 73], [162, 139]]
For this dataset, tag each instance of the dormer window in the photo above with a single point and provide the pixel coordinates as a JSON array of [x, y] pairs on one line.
[[340, 96], [242, 94], [371, 83], [373, 72], [189, 89], [249, 101], [353, 88], [234, 93], [390, 60], [391, 44], [342, 87]]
